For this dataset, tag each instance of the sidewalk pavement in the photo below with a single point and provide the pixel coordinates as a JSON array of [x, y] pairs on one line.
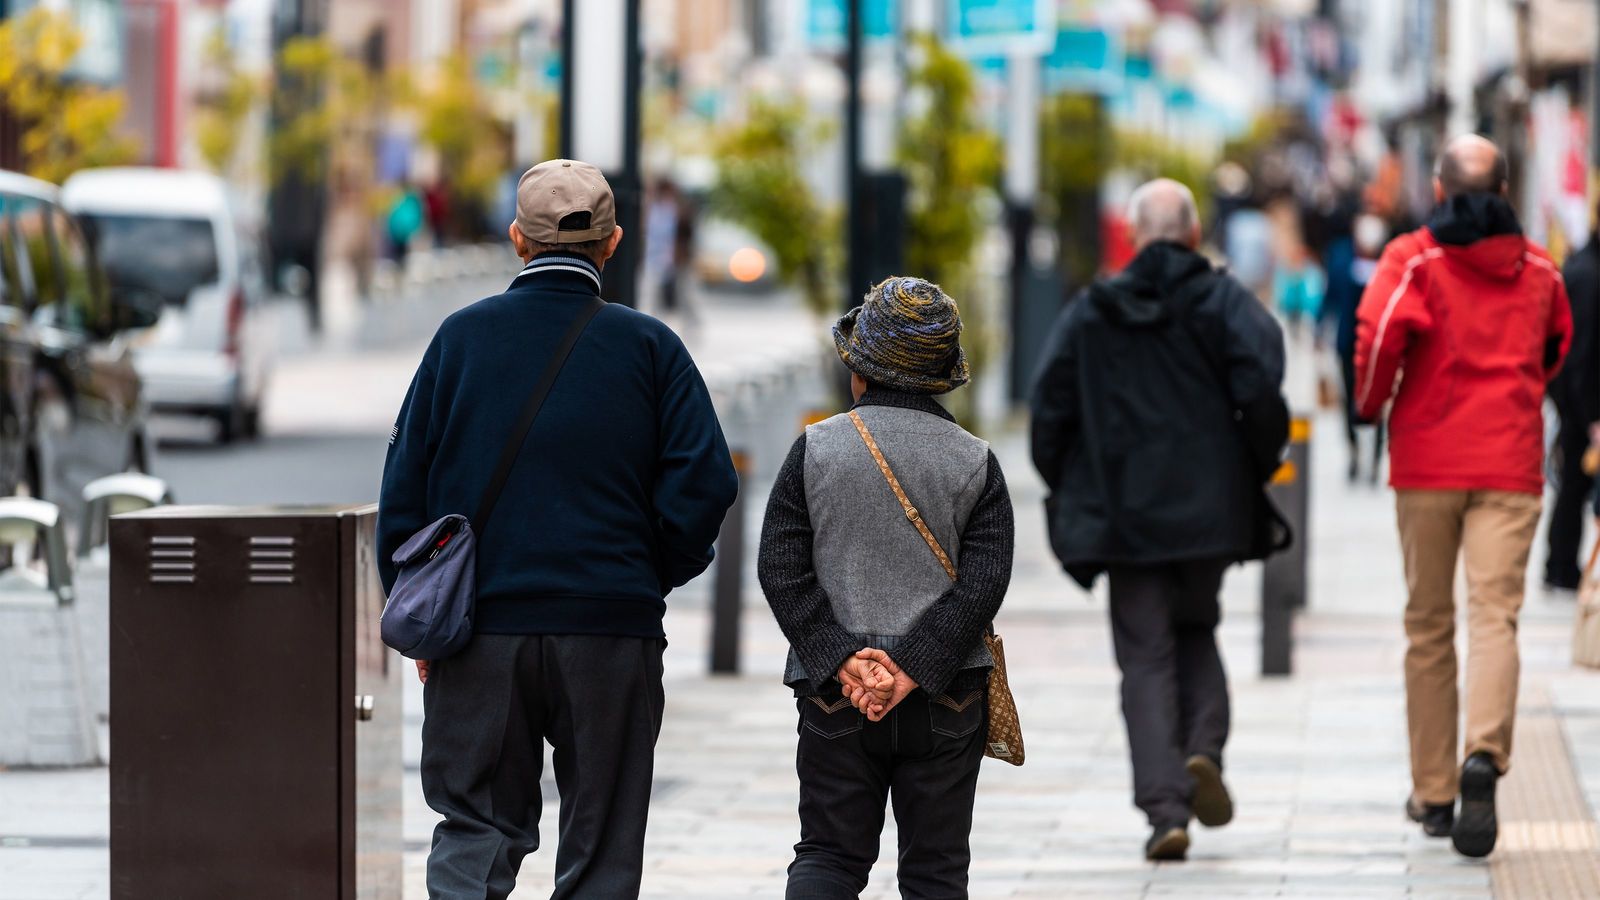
[[1318, 762]]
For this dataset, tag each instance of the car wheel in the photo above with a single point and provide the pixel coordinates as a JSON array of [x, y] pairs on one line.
[[138, 454], [229, 425], [250, 422]]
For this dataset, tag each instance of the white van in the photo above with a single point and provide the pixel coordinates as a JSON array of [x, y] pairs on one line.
[[181, 237]]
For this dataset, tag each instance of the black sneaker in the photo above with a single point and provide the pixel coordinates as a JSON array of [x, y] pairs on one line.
[[1211, 804], [1476, 829], [1168, 843], [1436, 819]]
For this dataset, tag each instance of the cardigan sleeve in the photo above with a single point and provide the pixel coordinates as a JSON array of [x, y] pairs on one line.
[[788, 576]]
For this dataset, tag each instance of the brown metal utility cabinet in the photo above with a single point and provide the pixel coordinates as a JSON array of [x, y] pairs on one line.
[[255, 712]]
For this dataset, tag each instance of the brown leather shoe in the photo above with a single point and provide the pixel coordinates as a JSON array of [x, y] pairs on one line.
[[1211, 804]]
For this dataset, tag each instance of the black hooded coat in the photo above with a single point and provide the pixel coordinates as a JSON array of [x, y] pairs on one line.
[[1158, 415]]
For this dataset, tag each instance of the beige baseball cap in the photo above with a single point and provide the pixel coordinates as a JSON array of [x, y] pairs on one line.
[[557, 188]]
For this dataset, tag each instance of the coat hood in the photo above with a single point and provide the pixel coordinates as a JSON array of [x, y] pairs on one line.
[[1480, 230], [1140, 296]]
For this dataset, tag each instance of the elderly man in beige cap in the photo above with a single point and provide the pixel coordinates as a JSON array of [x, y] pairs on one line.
[[580, 438]]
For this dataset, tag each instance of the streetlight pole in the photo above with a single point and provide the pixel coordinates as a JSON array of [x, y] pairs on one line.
[[855, 220], [600, 78]]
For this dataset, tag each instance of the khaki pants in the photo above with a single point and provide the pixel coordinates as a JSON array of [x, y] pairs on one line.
[[1493, 531]]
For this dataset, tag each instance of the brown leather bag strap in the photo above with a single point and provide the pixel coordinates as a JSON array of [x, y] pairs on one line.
[[900, 494]]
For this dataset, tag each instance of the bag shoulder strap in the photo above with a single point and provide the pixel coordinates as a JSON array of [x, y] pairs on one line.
[[900, 494], [530, 411]]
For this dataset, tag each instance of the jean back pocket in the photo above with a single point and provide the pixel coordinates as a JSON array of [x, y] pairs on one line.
[[957, 715], [832, 718]]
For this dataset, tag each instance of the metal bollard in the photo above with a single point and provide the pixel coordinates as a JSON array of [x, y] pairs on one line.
[[103, 498], [114, 495], [24, 519], [46, 720], [1283, 576], [727, 597]]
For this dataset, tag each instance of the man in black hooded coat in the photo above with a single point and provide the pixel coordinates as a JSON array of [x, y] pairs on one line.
[[1157, 418]]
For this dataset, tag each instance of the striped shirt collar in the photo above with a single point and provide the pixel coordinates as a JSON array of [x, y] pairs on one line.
[[561, 262]]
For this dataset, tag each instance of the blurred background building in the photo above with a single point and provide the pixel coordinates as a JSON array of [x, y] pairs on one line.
[[1011, 131]]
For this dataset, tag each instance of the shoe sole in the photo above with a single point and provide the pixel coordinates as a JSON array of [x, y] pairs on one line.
[[1211, 804], [1173, 847], [1476, 827]]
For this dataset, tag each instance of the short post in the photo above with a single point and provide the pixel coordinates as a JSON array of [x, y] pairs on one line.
[[46, 719], [1283, 576], [727, 590]]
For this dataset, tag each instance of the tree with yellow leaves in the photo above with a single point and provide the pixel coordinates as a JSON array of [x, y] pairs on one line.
[[66, 125]]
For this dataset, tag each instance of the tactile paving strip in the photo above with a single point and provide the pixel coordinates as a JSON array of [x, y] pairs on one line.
[[1549, 845]]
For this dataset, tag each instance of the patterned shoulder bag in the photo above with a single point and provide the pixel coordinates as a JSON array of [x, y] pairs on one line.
[[1004, 740]]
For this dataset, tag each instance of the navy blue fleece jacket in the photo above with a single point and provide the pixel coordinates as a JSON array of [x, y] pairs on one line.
[[621, 485]]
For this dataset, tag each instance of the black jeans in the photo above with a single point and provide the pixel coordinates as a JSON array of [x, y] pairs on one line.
[[1562, 566], [923, 756], [489, 710], [1174, 690]]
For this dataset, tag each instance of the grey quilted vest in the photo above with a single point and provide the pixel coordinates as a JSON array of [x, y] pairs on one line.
[[879, 573]]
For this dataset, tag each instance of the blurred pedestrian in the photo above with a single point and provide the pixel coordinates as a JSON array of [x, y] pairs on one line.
[[853, 580], [1298, 286], [661, 244], [1350, 267], [405, 220], [436, 203], [1476, 317], [613, 500], [1576, 395], [1157, 418]]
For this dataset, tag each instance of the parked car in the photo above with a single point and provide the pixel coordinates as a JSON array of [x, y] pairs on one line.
[[182, 237], [729, 257], [71, 407]]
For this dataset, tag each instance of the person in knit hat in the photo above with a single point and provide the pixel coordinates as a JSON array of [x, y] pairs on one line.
[[906, 335], [886, 657]]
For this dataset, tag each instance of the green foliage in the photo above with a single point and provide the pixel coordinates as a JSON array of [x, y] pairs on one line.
[[761, 186], [457, 122], [951, 162], [1076, 153], [66, 125], [220, 113], [323, 102], [1075, 145]]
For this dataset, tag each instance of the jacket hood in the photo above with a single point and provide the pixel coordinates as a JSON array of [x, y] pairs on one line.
[[1481, 230], [1139, 296]]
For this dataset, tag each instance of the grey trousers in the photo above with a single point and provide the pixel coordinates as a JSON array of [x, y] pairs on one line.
[[490, 709], [1174, 690]]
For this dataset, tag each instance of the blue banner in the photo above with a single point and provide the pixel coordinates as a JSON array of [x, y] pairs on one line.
[[826, 20], [1002, 26]]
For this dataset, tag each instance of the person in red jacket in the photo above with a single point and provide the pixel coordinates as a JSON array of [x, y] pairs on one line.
[[1475, 316]]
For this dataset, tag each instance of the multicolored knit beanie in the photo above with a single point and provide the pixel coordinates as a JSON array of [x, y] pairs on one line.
[[906, 336]]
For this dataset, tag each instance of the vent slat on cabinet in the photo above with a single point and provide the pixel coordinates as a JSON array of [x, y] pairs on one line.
[[172, 559], [272, 560]]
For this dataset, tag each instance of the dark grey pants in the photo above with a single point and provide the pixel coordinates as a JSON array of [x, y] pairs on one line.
[[1174, 690], [489, 711]]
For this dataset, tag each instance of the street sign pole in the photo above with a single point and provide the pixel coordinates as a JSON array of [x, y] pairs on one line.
[[854, 220], [1022, 185], [600, 76]]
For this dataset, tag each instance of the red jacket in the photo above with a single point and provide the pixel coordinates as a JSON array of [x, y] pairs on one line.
[[1476, 317]]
